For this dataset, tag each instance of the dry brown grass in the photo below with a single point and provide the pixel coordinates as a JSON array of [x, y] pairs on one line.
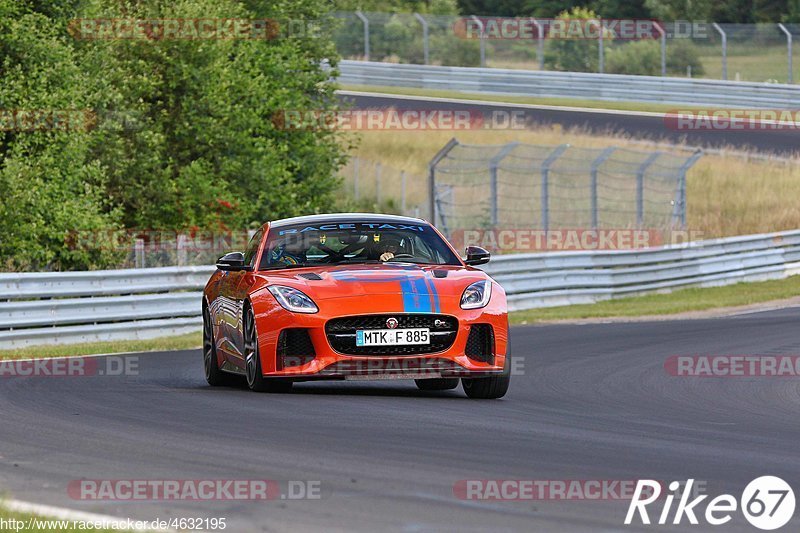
[[726, 194]]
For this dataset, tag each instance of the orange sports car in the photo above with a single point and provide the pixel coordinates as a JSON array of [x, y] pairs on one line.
[[355, 296]]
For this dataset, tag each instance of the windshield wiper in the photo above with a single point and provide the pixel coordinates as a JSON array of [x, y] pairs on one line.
[[355, 261], [282, 267]]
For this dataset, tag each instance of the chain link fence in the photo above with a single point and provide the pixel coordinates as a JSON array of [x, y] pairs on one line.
[[553, 187], [763, 52], [374, 186]]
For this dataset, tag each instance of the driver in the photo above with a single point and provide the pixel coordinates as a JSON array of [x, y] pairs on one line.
[[388, 248], [289, 253]]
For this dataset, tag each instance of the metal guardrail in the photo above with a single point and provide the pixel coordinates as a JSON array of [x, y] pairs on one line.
[[102, 305], [69, 307], [612, 87], [565, 278]]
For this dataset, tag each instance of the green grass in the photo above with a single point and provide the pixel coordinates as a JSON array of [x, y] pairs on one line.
[[679, 301], [28, 518], [753, 63], [570, 102], [179, 342]]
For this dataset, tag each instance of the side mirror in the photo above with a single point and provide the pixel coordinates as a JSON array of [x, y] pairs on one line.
[[232, 262], [477, 256]]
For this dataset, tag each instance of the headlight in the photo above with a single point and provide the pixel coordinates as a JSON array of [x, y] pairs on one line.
[[292, 299], [476, 295]]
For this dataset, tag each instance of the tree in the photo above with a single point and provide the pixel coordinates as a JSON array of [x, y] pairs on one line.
[[185, 135]]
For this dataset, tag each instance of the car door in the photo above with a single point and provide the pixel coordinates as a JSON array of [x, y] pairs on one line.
[[237, 289]]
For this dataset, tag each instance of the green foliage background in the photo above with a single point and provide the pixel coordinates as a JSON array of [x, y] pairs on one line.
[[184, 136]]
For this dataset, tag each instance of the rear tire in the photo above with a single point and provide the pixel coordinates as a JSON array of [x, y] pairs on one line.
[[255, 376], [436, 384], [214, 376], [489, 388]]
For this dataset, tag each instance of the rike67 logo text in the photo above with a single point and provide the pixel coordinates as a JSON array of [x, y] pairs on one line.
[[767, 503]]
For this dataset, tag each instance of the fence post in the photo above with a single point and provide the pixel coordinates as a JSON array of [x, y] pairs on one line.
[[789, 44], [540, 46], [482, 39], [494, 162], [355, 178], [403, 191], [138, 254], [441, 154], [663, 48], [680, 208], [724, 37], [602, 66], [640, 187], [599, 160], [424, 23], [365, 21], [378, 184], [555, 154]]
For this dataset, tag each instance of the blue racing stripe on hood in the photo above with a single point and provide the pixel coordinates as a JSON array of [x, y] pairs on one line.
[[414, 299]]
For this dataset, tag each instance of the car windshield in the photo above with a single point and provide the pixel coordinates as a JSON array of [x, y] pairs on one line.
[[355, 242]]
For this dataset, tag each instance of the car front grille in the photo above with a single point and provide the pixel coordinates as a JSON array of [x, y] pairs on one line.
[[341, 333]]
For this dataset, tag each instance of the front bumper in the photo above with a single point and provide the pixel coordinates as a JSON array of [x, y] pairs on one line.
[[328, 363]]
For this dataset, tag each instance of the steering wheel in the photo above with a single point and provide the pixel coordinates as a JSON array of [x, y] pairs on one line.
[[398, 256]]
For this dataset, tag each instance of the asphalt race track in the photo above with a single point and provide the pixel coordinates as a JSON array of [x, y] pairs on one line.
[[643, 126], [593, 403]]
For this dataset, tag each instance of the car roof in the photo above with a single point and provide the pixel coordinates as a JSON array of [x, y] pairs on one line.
[[345, 217]]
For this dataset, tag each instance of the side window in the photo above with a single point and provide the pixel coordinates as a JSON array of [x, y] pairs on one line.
[[252, 248]]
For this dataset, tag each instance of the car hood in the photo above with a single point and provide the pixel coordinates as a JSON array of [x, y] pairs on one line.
[[412, 281]]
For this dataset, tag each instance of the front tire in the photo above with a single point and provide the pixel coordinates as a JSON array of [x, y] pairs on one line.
[[255, 376], [436, 384], [489, 388], [214, 376]]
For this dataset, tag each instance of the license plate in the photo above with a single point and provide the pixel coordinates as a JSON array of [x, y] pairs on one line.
[[392, 337]]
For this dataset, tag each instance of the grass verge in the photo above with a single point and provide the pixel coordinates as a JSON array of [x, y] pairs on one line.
[[178, 342], [680, 301]]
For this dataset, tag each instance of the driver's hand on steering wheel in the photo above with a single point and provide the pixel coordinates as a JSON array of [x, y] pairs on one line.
[[385, 256]]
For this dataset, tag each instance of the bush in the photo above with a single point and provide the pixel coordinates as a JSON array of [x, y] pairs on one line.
[[575, 55], [643, 58]]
